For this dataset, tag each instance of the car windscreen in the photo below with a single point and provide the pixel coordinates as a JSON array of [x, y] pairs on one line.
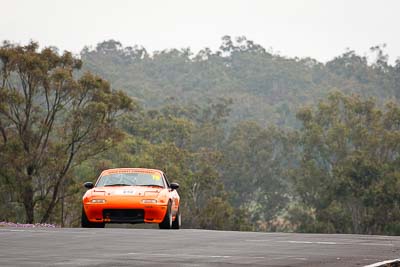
[[131, 179]]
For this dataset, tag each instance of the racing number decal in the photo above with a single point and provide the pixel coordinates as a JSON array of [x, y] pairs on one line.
[[156, 176]]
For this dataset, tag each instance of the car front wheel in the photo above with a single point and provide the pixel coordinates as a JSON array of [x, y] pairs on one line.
[[176, 224], [85, 223], [167, 222]]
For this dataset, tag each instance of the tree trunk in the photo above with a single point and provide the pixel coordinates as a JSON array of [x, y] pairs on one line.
[[62, 206], [28, 200], [60, 179], [52, 203]]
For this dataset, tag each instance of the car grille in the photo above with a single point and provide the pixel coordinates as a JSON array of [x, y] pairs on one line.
[[124, 215]]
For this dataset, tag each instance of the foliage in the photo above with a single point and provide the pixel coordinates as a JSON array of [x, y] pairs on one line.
[[50, 121], [255, 168], [264, 87], [349, 166]]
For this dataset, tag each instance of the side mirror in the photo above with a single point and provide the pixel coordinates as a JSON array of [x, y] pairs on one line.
[[174, 186], [88, 185]]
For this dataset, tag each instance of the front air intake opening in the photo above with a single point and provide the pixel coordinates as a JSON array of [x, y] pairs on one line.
[[124, 215]]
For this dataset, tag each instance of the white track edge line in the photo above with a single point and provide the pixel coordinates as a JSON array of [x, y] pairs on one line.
[[378, 264]]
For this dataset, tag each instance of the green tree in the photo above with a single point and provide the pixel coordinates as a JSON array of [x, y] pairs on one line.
[[255, 167], [349, 166], [50, 122]]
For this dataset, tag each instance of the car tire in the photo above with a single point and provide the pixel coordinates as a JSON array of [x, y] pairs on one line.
[[176, 224], [167, 222], [85, 223]]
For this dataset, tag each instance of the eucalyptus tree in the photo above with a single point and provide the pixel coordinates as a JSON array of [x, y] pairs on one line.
[[50, 121], [348, 174]]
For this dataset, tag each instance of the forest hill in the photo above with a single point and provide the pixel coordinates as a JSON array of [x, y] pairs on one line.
[[261, 159]]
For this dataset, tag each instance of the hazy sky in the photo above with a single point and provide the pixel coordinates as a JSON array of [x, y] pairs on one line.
[[321, 29]]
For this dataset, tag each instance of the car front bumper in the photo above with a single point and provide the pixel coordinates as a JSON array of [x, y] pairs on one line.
[[124, 210]]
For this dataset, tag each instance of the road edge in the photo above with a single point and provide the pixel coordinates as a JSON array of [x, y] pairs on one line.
[[387, 263]]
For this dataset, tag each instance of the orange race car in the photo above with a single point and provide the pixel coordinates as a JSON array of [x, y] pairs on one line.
[[131, 195]]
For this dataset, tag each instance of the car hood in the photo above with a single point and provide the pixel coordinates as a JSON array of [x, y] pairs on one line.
[[137, 191]]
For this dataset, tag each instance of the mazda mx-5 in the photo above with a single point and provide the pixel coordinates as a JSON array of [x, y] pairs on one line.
[[131, 195]]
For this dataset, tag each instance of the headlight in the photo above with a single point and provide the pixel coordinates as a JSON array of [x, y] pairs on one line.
[[98, 201], [147, 201]]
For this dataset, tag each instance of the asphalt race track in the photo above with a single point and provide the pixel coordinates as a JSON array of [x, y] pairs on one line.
[[153, 247]]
